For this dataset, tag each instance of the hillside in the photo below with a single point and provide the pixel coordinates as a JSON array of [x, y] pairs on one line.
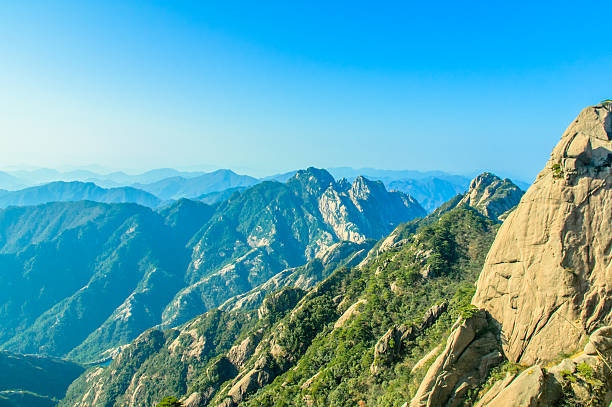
[[76, 191], [309, 346], [69, 267], [81, 279], [273, 226], [27, 380]]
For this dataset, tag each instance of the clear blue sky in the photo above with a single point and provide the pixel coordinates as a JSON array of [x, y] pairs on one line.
[[271, 86]]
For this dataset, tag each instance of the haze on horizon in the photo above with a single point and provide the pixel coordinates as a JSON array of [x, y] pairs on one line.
[[267, 88]]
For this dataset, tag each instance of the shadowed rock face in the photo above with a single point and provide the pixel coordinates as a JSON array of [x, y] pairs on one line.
[[547, 279]]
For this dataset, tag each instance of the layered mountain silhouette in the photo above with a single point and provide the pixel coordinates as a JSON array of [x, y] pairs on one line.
[[431, 188]]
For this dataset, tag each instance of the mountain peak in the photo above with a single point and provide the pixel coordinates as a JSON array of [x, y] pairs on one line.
[[584, 148], [313, 179], [491, 195], [363, 188]]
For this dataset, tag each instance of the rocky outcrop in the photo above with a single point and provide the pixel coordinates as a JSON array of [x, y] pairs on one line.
[[546, 285], [260, 375], [194, 400], [470, 352], [579, 380], [547, 279], [241, 352], [350, 312], [529, 389], [387, 349], [491, 195], [396, 340]]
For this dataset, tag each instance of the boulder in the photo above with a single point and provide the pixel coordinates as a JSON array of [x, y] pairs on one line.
[[580, 380], [470, 352], [527, 390], [600, 342], [249, 383], [194, 400], [386, 350]]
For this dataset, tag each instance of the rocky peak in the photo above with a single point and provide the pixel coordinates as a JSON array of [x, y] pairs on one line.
[[363, 189], [491, 195], [546, 285], [365, 209], [547, 279], [312, 180], [343, 185], [584, 149]]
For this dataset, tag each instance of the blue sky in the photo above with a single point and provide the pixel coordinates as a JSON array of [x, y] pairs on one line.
[[265, 87]]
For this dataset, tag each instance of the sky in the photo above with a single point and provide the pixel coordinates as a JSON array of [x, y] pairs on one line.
[[266, 87]]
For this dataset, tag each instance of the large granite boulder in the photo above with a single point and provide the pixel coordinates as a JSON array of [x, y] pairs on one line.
[[547, 279]]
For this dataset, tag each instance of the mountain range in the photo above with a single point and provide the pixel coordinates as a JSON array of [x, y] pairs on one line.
[[430, 189], [453, 308], [316, 289], [192, 187], [251, 338], [61, 191], [83, 278]]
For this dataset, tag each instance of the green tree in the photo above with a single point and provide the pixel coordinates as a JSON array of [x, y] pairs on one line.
[[169, 402]]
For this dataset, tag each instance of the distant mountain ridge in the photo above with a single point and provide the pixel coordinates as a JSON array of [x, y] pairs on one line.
[[181, 187], [431, 192], [61, 191], [430, 188], [113, 179]]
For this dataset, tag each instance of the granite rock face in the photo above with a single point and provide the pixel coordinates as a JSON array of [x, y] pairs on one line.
[[547, 279]]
